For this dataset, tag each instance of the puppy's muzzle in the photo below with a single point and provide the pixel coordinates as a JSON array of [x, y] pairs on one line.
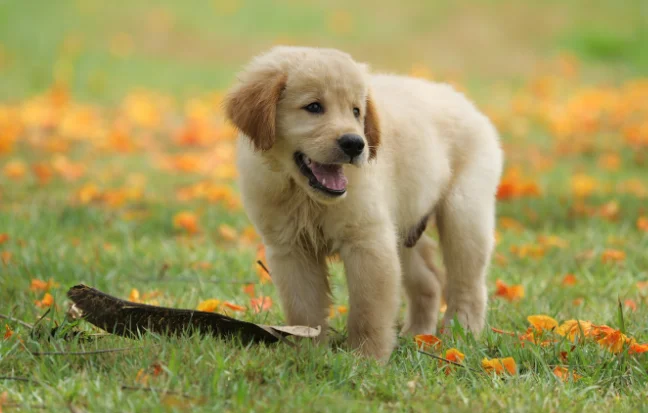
[[351, 144]]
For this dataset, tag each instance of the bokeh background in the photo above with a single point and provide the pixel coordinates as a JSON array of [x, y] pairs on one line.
[[102, 50]]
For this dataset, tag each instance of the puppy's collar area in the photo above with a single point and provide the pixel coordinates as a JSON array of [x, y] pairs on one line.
[[327, 178]]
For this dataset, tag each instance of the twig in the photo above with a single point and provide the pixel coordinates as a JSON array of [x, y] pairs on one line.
[[447, 361], [83, 353], [153, 390], [42, 317], [22, 323], [262, 265], [17, 378]]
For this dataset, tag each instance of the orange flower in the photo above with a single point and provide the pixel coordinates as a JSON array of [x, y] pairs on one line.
[[612, 255], [614, 341], [498, 366], [528, 250], [642, 223], [134, 296], [427, 341], [572, 328], [515, 185], [642, 285], [552, 241], [88, 193], [43, 173], [455, 355], [4, 238], [542, 322], [8, 332], [609, 211], [15, 169], [186, 221], [569, 279], [249, 290], [210, 305], [583, 185], [636, 348], [510, 223], [5, 257], [40, 285], [609, 161], [228, 233], [510, 293], [260, 304], [47, 301], [631, 304], [233, 307], [563, 374]]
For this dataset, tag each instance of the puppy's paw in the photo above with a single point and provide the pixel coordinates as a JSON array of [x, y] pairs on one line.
[[471, 318], [377, 343], [422, 327]]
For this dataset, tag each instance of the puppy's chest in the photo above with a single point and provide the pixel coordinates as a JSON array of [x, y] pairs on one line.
[[300, 223]]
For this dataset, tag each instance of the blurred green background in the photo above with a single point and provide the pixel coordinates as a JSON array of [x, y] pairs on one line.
[[104, 49]]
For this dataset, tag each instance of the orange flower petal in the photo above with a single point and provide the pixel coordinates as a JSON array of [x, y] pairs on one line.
[[642, 223], [636, 348], [210, 305], [612, 255], [228, 233], [187, 221], [542, 322], [427, 341], [455, 355], [233, 307], [499, 366], [260, 304], [47, 301], [249, 290], [8, 332], [134, 296], [510, 293], [563, 374], [631, 304], [569, 279]]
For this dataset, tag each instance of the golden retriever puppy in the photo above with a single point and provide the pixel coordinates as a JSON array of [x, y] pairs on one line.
[[333, 159]]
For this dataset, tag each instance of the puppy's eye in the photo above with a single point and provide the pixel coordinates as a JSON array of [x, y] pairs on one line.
[[356, 112], [314, 107]]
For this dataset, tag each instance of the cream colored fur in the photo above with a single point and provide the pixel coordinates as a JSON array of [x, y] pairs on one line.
[[435, 153]]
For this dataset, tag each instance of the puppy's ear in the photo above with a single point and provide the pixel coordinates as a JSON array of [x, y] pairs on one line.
[[372, 128], [252, 105]]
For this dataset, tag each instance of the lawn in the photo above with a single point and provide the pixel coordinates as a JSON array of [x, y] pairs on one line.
[[116, 171]]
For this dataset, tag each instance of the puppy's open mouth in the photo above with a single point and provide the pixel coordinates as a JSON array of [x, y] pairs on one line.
[[328, 178]]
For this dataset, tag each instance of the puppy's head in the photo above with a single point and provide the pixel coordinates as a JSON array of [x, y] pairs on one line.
[[310, 112]]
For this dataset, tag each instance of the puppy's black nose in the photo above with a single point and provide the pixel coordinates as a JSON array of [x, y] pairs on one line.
[[351, 144]]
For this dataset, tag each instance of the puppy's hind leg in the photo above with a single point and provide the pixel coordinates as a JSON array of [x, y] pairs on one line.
[[423, 283], [466, 223]]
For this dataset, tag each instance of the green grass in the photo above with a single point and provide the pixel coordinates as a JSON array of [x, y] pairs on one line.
[[54, 236]]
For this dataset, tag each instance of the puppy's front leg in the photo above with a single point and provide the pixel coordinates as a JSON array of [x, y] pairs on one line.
[[373, 277], [302, 282]]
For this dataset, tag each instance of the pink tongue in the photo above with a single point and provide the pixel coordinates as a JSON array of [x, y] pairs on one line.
[[330, 176]]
